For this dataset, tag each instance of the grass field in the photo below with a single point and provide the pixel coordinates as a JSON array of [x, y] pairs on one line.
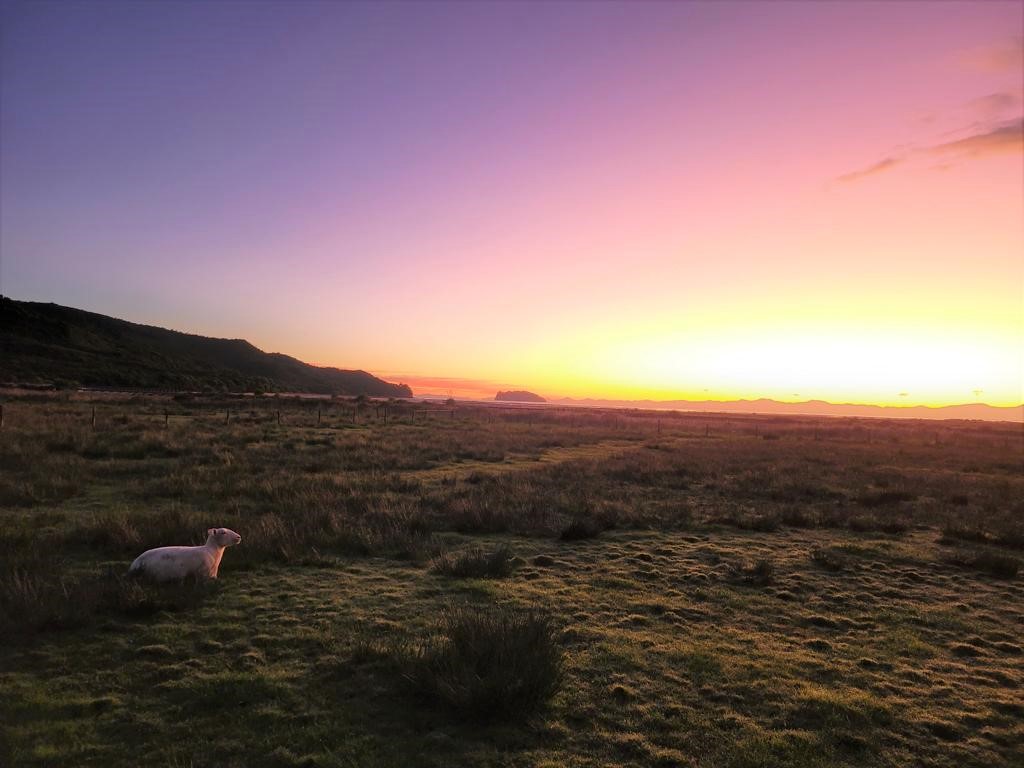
[[683, 589]]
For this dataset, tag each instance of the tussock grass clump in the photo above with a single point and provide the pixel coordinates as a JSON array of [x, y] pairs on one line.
[[869, 523], [474, 563], [391, 538], [766, 522], [798, 517], [956, 530], [581, 528], [830, 558], [756, 574], [367, 646], [763, 523], [993, 563], [121, 534], [998, 565], [885, 498], [1010, 535], [1006, 532], [35, 487], [487, 663], [838, 712], [894, 525], [33, 601]]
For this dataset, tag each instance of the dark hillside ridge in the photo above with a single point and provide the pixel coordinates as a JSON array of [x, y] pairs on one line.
[[50, 344]]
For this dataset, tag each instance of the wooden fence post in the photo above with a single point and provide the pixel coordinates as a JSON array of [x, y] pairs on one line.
[[166, 417], [318, 417], [279, 418], [94, 417], [227, 415]]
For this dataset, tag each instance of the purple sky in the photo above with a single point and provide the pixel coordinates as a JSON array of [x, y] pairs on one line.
[[496, 191]]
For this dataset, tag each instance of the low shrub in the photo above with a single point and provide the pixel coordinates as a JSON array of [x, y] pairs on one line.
[[487, 663]]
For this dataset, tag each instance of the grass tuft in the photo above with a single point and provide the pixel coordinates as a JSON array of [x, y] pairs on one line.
[[993, 563], [756, 574], [486, 664], [579, 529], [474, 563], [830, 558], [33, 601]]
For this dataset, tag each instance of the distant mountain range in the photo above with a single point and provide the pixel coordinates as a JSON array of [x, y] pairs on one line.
[[50, 344], [814, 408]]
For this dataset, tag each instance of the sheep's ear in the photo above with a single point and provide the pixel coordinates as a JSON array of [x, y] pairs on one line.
[[211, 531]]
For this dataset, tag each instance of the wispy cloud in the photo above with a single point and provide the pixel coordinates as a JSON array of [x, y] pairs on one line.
[[879, 167], [987, 139], [994, 105], [1007, 138], [983, 125]]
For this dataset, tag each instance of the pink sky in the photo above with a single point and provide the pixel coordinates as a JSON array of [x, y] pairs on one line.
[[660, 200]]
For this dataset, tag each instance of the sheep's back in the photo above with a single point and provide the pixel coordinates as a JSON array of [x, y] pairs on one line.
[[167, 563]]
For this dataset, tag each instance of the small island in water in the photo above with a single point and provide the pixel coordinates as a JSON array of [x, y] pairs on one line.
[[520, 396]]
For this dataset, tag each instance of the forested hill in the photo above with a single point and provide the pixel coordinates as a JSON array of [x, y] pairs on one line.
[[50, 344]]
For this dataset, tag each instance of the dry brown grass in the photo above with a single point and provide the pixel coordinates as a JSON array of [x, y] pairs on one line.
[[747, 602]]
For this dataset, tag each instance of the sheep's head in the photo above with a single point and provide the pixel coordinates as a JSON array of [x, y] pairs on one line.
[[222, 537]]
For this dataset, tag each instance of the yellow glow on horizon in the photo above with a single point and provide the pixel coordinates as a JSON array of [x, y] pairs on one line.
[[811, 365], [889, 355], [895, 353]]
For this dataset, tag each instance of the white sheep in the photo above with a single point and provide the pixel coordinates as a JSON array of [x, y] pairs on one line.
[[170, 563]]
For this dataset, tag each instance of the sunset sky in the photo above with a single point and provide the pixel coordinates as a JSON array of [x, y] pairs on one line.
[[666, 200]]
